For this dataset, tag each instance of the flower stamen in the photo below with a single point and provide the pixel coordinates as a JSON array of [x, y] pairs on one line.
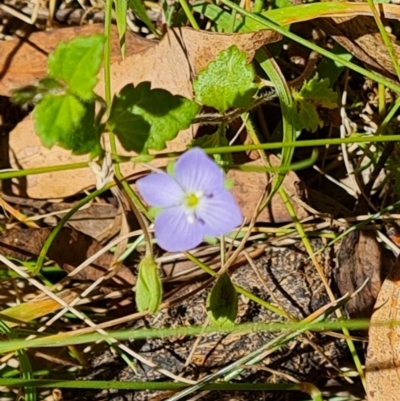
[[192, 200]]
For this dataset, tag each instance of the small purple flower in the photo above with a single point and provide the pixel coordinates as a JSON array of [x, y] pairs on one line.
[[194, 202]]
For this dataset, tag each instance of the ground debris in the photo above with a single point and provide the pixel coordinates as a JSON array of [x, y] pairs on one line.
[[290, 276], [69, 249]]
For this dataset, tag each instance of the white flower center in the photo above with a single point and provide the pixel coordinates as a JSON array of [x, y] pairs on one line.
[[191, 202]]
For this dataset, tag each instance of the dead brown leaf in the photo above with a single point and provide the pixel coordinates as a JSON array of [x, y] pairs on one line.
[[100, 221], [23, 61], [383, 354], [359, 258], [180, 56], [248, 188], [69, 249], [361, 37]]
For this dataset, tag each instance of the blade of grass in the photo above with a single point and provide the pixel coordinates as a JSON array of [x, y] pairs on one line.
[[189, 15], [121, 7], [24, 364]]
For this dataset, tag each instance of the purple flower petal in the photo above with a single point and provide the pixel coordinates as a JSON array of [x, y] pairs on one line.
[[175, 233], [196, 172], [160, 189], [220, 213]]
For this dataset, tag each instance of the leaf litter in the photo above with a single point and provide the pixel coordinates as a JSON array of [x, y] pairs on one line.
[[358, 257]]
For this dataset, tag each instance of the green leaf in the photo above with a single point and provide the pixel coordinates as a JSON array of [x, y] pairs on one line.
[[77, 64], [226, 82], [222, 303], [145, 118], [214, 140], [331, 69], [33, 94], [313, 95], [318, 92], [68, 122], [86, 137], [148, 286], [142, 158], [210, 240], [26, 95]]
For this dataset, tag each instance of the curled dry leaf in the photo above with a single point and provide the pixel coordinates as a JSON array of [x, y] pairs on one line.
[[170, 64], [383, 354]]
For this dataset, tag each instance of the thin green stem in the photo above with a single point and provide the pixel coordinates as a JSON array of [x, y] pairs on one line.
[[388, 118], [107, 53], [304, 144], [227, 149], [142, 386], [64, 339], [233, 20], [107, 78], [5, 175], [271, 68], [381, 102]]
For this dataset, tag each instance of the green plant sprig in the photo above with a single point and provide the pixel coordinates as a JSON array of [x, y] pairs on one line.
[[263, 21]]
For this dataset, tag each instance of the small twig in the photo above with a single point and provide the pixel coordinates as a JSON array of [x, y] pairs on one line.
[[215, 118]]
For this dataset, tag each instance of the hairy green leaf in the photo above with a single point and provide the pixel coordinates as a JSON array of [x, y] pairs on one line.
[[226, 82], [222, 303], [148, 286], [77, 64], [214, 140], [313, 95], [145, 118]]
